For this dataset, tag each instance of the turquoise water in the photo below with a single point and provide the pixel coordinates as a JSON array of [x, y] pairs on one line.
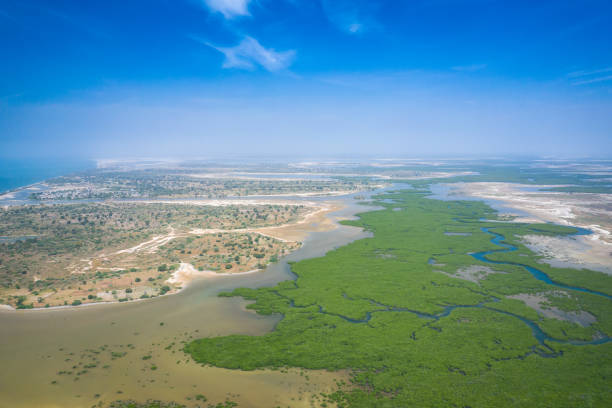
[[16, 173]]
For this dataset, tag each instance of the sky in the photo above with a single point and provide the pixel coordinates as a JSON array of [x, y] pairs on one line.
[[205, 78]]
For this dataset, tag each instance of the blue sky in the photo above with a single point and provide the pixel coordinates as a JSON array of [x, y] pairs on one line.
[[305, 77]]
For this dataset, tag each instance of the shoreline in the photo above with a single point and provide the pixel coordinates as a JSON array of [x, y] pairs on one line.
[[191, 275], [199, 276], [10, 194], [187, 273]]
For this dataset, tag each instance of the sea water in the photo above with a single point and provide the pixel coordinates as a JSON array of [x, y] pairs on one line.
[[19, 172]]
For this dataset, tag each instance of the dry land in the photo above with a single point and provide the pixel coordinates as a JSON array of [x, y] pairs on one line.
[[184, 183], [588, 210], [443, 303], [73, 254]]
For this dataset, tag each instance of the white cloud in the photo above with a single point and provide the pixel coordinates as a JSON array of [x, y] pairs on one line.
[[229, 8], [355, 27], [350, 16], [250, 54]]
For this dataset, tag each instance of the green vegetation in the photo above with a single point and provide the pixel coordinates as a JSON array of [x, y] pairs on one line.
[[20, 305], [398, 312]]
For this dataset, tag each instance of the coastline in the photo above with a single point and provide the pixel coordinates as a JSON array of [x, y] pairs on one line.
[[187, 279], [315, 221], [37, 172]]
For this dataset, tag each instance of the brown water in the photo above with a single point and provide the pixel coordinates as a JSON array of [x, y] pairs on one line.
[[36, 345]]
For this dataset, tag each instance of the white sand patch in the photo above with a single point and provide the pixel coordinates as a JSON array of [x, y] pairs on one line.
[[151, 245], [544, 207], [538, 302], [186, 273], [200, 231], [599, 234], [85, 269], [472, 273], [580, 252]]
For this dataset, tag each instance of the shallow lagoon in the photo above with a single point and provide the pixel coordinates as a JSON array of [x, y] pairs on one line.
[[106, 344]]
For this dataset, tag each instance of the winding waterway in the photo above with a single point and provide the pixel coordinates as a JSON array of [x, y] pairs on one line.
[[136, 347], [498, 239], [36, 345], [538, 333]]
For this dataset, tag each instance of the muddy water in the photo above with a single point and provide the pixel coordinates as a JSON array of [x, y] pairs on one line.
[[82, 356]]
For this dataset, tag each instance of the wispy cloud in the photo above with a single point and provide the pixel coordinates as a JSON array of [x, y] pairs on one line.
[[250, 54], [583, 73], [593, 80], [355, 27], [584, 77], [350, 16], [229, 8], [469, 68]]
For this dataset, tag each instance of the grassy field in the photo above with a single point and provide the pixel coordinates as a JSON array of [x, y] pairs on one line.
[[420, 322]]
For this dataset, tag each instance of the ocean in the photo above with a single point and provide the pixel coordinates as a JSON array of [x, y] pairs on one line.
[[16, 173]]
